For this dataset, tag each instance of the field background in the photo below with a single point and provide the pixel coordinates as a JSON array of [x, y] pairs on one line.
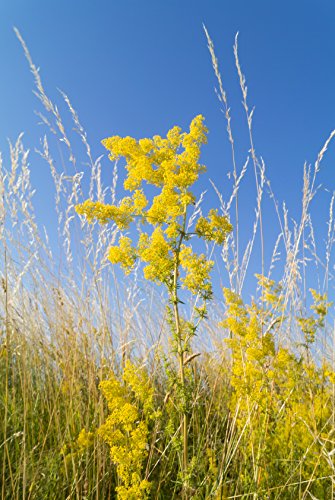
[[260, 380]]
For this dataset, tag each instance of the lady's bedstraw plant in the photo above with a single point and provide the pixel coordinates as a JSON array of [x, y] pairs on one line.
[[286, 394], [172, 166], [131, 409]]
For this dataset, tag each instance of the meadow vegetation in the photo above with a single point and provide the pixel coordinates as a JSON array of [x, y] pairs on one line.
[[122, 375]]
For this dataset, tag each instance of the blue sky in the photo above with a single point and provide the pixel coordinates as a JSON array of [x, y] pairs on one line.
[[139, 67]]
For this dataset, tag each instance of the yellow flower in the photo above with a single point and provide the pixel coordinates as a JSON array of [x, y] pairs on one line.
[[156, 251], [126, 429], [123, 254], [197, 268], [215, 228], [85, 439]]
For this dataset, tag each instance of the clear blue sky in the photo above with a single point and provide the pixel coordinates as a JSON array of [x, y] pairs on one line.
[[139, 67]]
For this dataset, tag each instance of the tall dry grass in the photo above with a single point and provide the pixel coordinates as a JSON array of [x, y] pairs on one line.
[[68, 320]]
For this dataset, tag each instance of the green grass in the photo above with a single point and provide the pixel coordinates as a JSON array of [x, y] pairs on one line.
[[260, 422]]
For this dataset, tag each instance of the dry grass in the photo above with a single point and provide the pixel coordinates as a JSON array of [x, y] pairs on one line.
[[68, 320]]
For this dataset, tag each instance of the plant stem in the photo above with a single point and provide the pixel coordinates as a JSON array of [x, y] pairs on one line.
[[181, 351]]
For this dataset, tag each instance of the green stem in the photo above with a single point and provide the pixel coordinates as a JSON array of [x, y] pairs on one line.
[[181, 351]]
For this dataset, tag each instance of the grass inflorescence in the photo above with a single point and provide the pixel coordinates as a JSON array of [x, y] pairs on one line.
[[150, 386]]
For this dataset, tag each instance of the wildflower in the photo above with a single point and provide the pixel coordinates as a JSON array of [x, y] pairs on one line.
[[126, 428]]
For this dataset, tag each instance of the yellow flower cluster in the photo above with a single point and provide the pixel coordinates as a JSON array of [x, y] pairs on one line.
[[138, 381], [166, 206], [251, 351], [310, 324], [197, 268], [213, 228], [131, 407], [122, 215], [158, 161], [84, 441], [320, 306], [265, 377], [157, 253], [271, 292], [236, 320], [172, 165], [123, 254]]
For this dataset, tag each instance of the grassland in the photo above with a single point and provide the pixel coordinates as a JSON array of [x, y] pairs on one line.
[[260, 374]]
